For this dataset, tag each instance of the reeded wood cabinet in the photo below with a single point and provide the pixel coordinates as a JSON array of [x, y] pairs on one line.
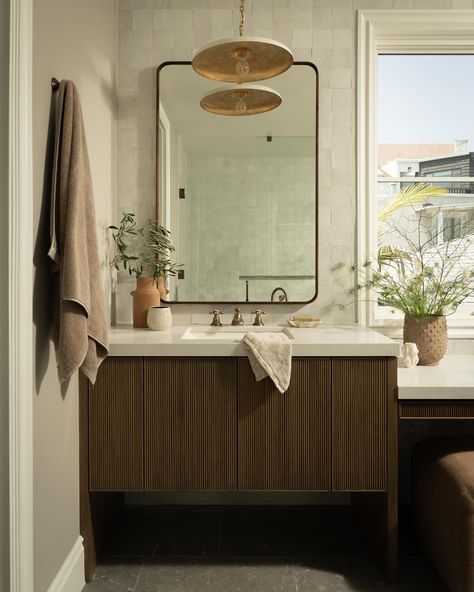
[[190, 427], [205, 424]]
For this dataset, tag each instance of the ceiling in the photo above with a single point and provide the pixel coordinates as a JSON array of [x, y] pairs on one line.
[[204, 133]]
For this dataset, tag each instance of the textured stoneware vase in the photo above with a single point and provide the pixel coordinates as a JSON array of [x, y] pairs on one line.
[[145, 296], [430, 335], [159, 318]]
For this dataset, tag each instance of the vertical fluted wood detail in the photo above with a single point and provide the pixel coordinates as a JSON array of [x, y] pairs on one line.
[[436, 410], [359, 424], [284, 440], [116, 426], [190, 424]]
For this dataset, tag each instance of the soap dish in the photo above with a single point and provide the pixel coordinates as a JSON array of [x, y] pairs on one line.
[[304, 324]]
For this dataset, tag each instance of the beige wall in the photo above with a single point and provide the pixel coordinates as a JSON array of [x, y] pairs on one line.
[[74, 40], [4, 41]]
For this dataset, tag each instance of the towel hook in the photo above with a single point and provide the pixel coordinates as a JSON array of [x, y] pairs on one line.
[[54, 84]]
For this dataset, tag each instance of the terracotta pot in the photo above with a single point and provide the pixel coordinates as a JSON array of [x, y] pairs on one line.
[[145, 296], [430, 335]]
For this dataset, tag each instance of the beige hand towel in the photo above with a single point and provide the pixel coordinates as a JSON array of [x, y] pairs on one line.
[[81, 328], [270, 355]]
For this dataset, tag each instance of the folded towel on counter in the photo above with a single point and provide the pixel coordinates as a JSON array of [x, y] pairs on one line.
[[80, 322], [270, 355]]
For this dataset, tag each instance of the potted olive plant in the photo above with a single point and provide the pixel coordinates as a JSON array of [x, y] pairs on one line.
[[145, 254], [422, 269]]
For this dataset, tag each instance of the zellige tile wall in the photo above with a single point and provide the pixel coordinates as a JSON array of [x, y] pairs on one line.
[[321, 31]]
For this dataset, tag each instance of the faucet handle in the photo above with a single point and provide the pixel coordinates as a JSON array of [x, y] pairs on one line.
[[216, 322], [258, 322], [237, 320]]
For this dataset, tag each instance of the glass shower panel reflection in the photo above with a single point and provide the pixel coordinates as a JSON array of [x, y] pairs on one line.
[[247, 221]]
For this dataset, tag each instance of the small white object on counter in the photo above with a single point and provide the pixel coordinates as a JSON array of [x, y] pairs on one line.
[[159, 318], [324, 341], [452, 379], [408, 357]]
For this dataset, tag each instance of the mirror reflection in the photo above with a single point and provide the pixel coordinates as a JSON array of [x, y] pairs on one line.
[[239, 192]]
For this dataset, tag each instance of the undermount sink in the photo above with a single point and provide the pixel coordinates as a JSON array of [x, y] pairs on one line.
[[230, 333]]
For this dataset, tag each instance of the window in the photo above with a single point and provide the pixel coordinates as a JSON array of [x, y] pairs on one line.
[[415, 126]]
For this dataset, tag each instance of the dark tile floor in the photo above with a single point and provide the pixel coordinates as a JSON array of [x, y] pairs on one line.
[[249, 549]]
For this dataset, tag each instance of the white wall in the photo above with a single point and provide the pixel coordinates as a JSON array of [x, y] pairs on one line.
[[74, 40], [4, 533]]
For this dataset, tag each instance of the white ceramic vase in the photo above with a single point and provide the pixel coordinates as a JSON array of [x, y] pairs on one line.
[[159, 318]]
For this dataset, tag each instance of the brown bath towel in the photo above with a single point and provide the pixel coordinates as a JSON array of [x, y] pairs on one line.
[[81, 329]]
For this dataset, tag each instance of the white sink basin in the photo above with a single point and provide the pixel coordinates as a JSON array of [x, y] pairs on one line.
[[230, 334]]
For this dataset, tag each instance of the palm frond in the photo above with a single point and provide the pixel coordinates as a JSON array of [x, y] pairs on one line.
[[412, 195]]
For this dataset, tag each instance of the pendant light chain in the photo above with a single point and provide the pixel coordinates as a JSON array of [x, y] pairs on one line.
[[242, 17]]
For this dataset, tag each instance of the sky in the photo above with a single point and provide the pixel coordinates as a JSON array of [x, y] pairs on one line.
[[426, 99]]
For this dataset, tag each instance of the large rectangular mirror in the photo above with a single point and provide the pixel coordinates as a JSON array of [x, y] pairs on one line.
[[239, 193]]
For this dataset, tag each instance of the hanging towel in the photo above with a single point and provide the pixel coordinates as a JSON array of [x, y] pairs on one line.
[[270, 355], [80, 326]]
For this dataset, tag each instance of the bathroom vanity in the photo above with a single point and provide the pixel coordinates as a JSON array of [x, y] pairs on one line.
[[181, 411]]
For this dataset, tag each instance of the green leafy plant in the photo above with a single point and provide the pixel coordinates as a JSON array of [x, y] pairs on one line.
[[143, 251], [420, 273]]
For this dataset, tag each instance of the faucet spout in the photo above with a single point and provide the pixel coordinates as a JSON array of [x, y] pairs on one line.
[[283, 297]]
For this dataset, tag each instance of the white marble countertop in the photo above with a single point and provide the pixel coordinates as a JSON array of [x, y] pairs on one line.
[[453, 378], [323, 341]]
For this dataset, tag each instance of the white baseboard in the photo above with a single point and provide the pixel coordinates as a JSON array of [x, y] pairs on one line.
[[70, 577]]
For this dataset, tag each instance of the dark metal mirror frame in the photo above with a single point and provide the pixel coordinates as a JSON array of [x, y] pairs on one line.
[[316, 166]]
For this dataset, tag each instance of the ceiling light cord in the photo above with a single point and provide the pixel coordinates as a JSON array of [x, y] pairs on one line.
[[242, 17]]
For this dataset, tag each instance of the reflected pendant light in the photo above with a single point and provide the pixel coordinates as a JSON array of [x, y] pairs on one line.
[[240, 99], [242, 59]]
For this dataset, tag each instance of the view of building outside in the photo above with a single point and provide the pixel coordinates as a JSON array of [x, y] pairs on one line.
[[426, 135]]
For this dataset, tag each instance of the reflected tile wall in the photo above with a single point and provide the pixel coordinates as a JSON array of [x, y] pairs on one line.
[[243, 216]]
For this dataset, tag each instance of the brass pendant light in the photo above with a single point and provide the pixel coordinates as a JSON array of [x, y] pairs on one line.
[[242, 59], [240, 99]]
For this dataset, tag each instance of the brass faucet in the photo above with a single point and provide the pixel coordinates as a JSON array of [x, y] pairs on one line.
[[258, 317], [283, 297], [216, 322], [237, 320]]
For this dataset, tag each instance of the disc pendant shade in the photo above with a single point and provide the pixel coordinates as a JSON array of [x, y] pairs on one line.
[[240, 99], [242, 59]]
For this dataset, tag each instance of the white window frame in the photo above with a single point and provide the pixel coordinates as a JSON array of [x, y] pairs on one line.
[[400, 32]]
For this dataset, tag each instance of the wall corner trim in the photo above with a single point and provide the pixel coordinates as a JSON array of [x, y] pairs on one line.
[[70, 577]]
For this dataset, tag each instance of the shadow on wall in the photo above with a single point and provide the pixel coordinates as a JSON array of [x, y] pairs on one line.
[[44, 291], [43, 299]]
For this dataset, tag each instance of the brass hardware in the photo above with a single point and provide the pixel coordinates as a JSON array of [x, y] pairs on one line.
[[283, 296], [237, 320], [216, 322], [54, 84], [258, 322]]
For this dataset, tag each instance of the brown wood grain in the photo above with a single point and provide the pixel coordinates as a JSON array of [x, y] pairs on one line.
[[116, 426], [359, 424], [97, 510], [436, 409], [190, 424], [284, 440]]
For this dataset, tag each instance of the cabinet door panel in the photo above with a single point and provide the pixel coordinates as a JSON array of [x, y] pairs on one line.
[[285, 440], [116, 426], [359, 424], [190, 424]]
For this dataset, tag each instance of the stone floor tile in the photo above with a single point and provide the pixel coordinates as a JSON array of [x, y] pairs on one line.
[[116, 575], [214, 576]]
